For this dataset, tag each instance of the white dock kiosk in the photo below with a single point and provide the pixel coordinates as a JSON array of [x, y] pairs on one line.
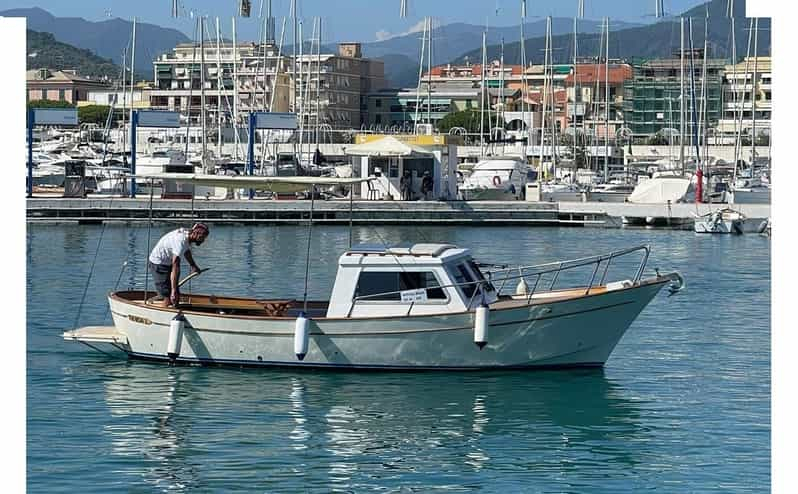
[[388, 158]]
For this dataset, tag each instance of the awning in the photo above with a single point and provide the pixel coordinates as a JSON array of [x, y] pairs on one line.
[[275, 184], [387, 146]]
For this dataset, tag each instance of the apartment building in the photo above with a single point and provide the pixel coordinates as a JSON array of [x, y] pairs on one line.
[[60, 85], [261, 77], [749, 80]]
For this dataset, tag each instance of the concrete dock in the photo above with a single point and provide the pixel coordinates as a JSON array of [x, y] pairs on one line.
[[595, 214]]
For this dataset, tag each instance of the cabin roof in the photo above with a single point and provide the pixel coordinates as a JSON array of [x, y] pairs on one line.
[[409, 253]]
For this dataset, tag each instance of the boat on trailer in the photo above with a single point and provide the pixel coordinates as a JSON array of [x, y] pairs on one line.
[[409, 307]]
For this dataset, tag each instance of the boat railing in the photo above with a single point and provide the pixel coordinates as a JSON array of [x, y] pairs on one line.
[[555, 268], [487, 284]]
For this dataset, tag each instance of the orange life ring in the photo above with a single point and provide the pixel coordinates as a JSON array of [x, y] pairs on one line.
[[497, 181]]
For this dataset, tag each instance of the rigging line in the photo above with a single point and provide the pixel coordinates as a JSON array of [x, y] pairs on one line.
[[91, 272], [116, 286], [93, 263], [147, 254]]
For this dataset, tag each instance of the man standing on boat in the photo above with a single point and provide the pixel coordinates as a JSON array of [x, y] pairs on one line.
[[165, 259]]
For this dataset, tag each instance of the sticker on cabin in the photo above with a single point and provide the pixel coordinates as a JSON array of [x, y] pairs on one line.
[[419, 295]]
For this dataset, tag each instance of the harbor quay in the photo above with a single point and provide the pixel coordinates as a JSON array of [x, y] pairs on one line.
[[484, 213]]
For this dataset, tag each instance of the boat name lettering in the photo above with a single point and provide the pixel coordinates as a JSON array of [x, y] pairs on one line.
[[140, 320]]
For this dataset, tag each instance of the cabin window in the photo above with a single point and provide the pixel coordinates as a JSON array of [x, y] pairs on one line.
[[462, 275], [480, 277], [372, 284]]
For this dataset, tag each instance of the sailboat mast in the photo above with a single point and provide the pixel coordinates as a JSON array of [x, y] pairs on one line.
[[576, 97], [301, 83], [554, 140], [293, 60], [500, 113], [420, 77], [706, 90], [202, 94], [607, 102], [754, 94], [132, 79], [543, 98], [681, 94], [429, 71], [523, 81], [318, 87], [482, 96], [235, 93], [124, 98], [694, 120], [218, 89], [739, 144]]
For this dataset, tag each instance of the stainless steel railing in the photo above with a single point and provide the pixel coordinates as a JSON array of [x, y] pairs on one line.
[[537, 271]]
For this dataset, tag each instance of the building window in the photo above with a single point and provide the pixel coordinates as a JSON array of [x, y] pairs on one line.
[[378, 119], [378, 103], [61, 95]]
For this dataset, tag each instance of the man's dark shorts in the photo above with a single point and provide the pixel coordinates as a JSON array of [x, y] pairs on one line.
[[161, 276]]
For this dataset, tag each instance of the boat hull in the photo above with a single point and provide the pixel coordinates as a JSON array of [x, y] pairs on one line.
[[721, 227], [581, 331]]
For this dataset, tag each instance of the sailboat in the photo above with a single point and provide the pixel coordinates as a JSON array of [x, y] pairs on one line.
[[394, 307]]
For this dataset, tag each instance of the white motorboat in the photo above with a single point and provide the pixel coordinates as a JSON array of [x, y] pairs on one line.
[[423, 306], [749, 191], [495, 179], [611, 192], [723, 221], [426, 306], [661, 189], [560, 192]]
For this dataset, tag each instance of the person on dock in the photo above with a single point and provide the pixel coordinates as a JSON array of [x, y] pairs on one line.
[[405, 185], [427, 184], [164, 261]]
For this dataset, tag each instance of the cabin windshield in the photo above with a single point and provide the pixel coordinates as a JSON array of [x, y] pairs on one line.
[[464, 279], [388, 285], [475, 269]]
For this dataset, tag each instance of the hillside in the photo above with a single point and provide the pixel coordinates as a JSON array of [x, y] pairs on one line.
[[658, 40], [45, 52], [452, 40], [106, 39]]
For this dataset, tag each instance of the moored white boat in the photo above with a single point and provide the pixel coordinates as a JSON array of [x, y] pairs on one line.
[[423, 306], [495, 179], [723, 221]]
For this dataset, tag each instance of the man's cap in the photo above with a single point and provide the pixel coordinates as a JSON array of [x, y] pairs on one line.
[[200, 226]]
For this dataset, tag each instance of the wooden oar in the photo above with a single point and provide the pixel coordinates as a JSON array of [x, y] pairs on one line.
[[191, 276]]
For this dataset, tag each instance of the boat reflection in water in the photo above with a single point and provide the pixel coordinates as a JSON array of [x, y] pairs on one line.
[[225, 429]]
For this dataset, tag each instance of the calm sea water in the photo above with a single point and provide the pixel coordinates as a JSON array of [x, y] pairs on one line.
[[683, 404]]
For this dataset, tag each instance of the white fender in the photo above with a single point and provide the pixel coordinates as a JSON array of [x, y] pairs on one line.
[[175, 336], [301, 335], [481, 326]]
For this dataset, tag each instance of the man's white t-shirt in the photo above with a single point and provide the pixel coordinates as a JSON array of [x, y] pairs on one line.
[[174, 243]]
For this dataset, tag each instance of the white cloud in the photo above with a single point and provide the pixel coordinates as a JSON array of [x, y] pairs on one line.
[[382, 34]]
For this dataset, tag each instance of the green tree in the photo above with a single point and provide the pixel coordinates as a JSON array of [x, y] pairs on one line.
[[96, 114], [46, 103], [467, 119]]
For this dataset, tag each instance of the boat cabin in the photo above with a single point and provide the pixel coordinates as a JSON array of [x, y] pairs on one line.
[[375, 281]]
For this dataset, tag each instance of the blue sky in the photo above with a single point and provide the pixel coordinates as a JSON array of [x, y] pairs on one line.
[[356, 20]]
